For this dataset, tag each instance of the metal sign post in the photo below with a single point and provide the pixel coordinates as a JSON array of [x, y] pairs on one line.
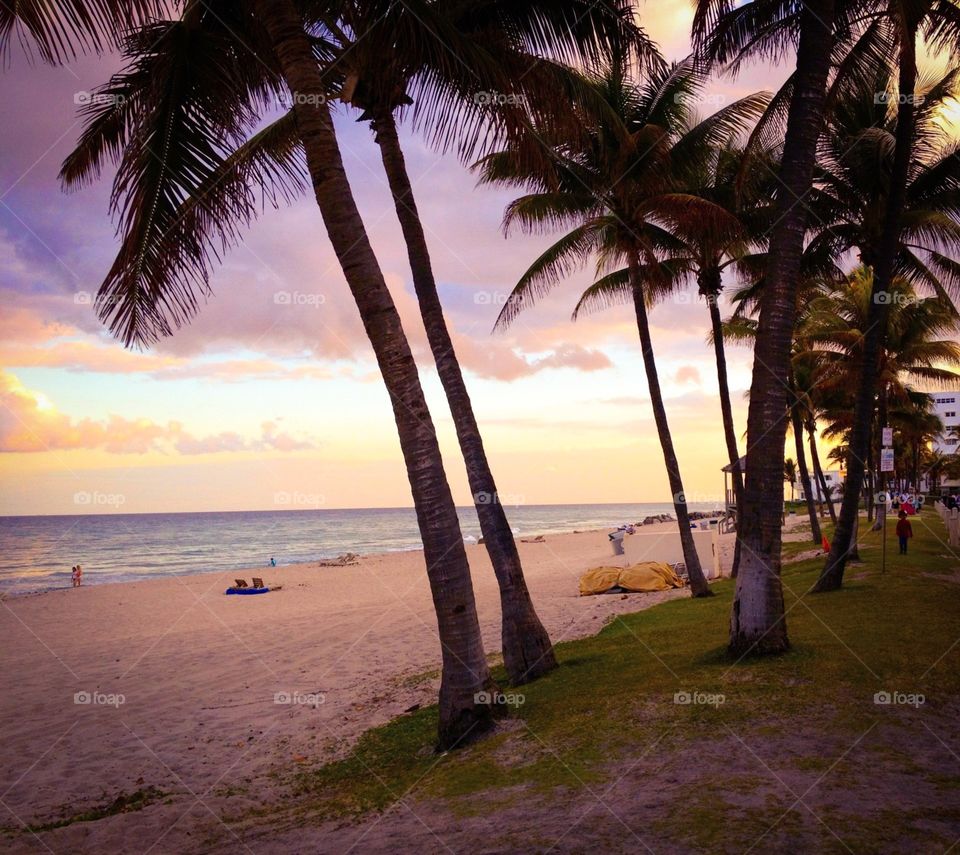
[[882, 500], [886, 465]]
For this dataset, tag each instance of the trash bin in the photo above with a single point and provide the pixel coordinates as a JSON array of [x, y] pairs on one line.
[[616, 541]]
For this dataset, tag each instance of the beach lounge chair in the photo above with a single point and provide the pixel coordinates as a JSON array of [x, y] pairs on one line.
[[240, 583], [258, 583]]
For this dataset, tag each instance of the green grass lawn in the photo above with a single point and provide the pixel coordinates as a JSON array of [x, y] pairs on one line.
[[614, 696]]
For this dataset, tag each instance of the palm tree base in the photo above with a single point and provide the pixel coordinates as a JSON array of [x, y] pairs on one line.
[[527, 652], [829, 581], [758, 624], [472, 724], [707, 593], [771, 643]]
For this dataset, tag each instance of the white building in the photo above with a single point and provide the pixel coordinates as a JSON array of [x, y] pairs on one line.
[[834, 479], [947, 406]]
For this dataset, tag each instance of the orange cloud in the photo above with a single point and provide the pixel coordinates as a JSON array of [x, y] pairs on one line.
[[31, 423]]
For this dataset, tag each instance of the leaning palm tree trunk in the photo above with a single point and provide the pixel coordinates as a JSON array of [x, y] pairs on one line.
[[825, 491], [726, 411], [698, 583], [831, 577], [815, 534], [757, 622], [465, 672], [527, 652]]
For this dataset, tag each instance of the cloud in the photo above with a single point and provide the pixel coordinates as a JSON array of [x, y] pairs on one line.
[[281, 295], [308, 334], [626, 401], [687, 374], [574, 356], [497, 360], [29, 422]]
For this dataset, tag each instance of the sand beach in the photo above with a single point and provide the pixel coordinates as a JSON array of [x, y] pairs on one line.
[[169, 686]]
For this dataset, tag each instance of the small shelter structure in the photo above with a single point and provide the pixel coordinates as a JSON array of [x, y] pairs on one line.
[[729, 521]]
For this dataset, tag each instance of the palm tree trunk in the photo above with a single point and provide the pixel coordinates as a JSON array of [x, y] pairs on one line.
[[853, 554], [815, 534], [825, 490], [698, 583], [527, 651], [757, 623], [726, 411], [831, 577], [465, 711]]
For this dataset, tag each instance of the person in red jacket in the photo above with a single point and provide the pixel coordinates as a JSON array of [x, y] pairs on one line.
[[904, 531]]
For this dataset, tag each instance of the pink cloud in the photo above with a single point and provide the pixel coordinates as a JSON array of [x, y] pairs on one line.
[[31, 423], [687, 374]]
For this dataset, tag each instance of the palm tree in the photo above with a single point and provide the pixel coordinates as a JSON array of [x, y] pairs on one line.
[[850, 197], [723, 32], [797, 424], [940, 24], [354, 69], [936, 463], [916, 426], [742, 328], [622, 193], [490, 48], [809, 400], [826, 490], [700, 256], [918, 344], [790, 474], [151, 290]]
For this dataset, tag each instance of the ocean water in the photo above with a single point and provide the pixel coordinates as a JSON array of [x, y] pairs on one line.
[[36, 553]]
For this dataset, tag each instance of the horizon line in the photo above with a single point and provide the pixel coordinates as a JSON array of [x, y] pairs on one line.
[[669, 502]]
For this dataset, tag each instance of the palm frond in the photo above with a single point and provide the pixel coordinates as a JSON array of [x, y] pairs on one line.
[[62, 30], [191, 102], [568, 254], [610, 290]]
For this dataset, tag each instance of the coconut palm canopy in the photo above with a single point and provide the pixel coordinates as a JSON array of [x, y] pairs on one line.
[[628, 189]]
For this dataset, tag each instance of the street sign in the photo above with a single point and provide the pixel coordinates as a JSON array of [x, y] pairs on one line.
[[887, 437], [886, 460]]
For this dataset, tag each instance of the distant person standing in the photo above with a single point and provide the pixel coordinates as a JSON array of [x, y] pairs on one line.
[[77, 576], [273, 562], [904, 531]]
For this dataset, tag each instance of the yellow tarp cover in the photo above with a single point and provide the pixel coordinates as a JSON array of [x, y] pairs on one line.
[[645, 576], [599, 580], [649, 576]]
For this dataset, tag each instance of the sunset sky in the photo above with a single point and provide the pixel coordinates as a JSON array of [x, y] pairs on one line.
[[264, 402]]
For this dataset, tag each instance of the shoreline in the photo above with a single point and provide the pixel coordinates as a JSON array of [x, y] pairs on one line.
[[261, 569]]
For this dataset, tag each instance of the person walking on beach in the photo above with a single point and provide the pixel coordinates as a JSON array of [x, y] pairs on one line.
[[76, 575], [904, 531]]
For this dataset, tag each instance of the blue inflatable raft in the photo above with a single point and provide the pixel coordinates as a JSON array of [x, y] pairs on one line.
[[247, 590]]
